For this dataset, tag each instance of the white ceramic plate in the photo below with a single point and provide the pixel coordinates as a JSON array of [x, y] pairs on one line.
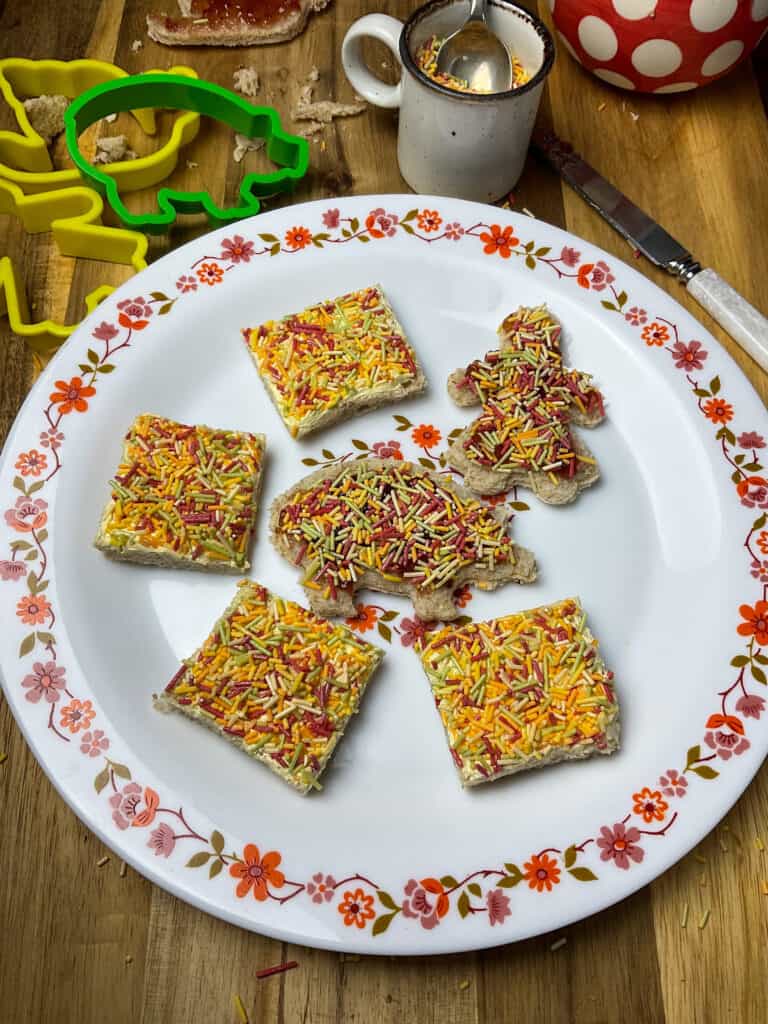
[[393, 857]]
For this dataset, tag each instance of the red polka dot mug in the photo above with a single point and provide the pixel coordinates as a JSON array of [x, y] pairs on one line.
[[659, 46]]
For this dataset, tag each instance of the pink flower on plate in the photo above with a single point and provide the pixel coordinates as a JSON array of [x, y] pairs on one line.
[[498, 906], [236, 249], [413, 631], [93, 743], [672, 783], [387, 449], [425, 900], [750, 705], [124, 804], [570, 257], [751, 439], [186, 283], [759, 570], [12, 570], [162, 840], [620, 845], [27, 515], [454, 231], [379, 224], [331, 218], [51, 439], [105, 331], [321, 887], [690, 356], [636, 316], [134, 313], [601, 276], [726, 744], [44, 680]]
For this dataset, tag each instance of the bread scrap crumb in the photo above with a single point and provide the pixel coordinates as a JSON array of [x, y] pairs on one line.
[[634, 116], [112, 149], [246, 81], [311, 129], [322, 110], [245, 145], [46, 115], [136, 45], [191, 164]]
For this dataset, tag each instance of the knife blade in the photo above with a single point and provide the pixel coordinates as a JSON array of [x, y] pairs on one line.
[[746, 325]]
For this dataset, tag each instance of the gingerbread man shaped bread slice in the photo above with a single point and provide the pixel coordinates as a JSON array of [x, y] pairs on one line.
[[523, 436]]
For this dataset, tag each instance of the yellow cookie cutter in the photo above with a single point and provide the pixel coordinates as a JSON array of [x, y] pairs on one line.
[[73, 216], [24, 156]]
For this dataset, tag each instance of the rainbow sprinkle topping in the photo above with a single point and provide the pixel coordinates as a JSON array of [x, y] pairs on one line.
[[394, 519], [278, 681], [183, 494], [426, 60], [332, 358], [520, 689], [528, 398]]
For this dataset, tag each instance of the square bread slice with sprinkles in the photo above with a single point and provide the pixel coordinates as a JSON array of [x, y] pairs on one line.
[[277, 681], [183, 496], [522, 691], [334, 359]]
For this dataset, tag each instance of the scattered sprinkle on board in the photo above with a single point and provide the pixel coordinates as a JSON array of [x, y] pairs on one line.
[[759, 844], [3, 757], [128, 960], [241, 1011], [277, 969], [704, 918], [723, 845], [123, 869], [684, 918], [764, 888], [104, 860], [699, 858], [558, 945], [463, 985]]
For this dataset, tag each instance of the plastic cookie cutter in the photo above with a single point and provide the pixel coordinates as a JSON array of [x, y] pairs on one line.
[[24, 156], [73, 216], [289, 152]]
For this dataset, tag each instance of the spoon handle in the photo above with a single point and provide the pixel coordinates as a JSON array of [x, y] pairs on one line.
[[477, 9]]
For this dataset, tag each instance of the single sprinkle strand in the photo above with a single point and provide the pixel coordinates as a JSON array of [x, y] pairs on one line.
[[684, 918], [704, 918], [241, 1011], [764, 888], [464, 984], [3, 757], [558, 945], [123, 869], [104, 860], [278, 969]]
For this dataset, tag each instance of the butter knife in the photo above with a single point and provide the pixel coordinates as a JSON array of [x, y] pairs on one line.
[[746, 325]]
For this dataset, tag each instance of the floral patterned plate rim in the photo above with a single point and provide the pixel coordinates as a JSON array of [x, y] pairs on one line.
[[669, 554]]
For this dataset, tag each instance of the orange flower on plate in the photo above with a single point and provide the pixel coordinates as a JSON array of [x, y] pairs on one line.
[[365, 618], [33, 610], [426, 436], [147, 816], [298, 238], [755, 621], [500, 241], [718, 411], [77, 715], [582, 276], [210, 273], [357, 908], [31, 463], [72, 396], [762, 541], [257, 872], [651, 804], [655, 334], [430, 220], [541, 872]]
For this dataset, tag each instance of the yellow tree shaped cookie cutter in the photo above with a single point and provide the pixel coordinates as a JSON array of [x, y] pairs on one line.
[[73, 216]]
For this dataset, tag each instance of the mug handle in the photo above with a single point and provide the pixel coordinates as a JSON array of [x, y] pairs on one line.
[[387, 30]]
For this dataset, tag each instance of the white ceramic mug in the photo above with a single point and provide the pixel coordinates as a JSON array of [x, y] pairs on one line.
[[472, 146]]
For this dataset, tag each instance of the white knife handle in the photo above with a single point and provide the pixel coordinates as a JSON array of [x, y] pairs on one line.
[[747, 327]]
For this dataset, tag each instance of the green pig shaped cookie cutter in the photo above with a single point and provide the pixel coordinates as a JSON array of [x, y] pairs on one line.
[[135, 92]]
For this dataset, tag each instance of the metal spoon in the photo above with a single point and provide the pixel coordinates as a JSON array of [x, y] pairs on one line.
[[476, 55]]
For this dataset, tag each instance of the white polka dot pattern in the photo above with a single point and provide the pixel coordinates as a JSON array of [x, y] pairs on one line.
[[722, 57], [598, 38], [710, 15], [677, 87], [614, 78], [633, 10], [657, 57]]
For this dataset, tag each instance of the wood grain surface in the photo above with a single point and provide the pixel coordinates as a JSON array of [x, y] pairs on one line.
[[81, 944]]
